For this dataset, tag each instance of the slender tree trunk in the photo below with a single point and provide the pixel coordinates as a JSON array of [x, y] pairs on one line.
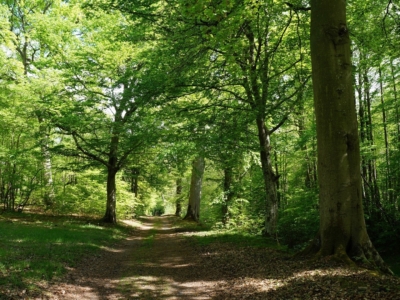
[[270, 179], [363, 137], [396, 175], [135, 181], [388, 181], [279, 170], [372, 172], [110, 215], [228, 194], [47, 166], [342, 226], [178, 202], [309, 162], [193, 211]]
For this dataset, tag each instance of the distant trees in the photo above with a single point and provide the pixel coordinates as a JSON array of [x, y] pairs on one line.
[[106, 105], [240, 53], [31, 85]]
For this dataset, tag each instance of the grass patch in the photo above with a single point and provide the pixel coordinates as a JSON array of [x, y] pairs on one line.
[[203, 236], [188, 226], [238, 239], [37, 248]]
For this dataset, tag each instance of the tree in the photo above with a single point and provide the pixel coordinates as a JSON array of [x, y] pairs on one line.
[[193, 210], [342, 226], [224, 54], [107, 101], [40, 34]]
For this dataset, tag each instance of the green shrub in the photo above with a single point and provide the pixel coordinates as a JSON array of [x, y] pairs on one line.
[[299, 222]]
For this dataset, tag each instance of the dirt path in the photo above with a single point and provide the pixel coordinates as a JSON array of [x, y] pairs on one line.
[[155, 263]]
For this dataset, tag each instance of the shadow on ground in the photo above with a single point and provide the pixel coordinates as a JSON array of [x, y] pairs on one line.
[[158, 262]]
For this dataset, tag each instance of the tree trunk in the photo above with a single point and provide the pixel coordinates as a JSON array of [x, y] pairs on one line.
[[388, 180], [110, 215], [270, 179], [178, 203], [112, 169], [372, 178], [396, 175], [193, 211], [49, 194], [135, 181], [342, 226], [309, 161], [228, 194]]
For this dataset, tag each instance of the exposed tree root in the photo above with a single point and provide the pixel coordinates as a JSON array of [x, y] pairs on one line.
[[191, 218], [361, 255]]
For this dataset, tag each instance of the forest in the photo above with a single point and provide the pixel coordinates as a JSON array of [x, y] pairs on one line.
[[270, 119]]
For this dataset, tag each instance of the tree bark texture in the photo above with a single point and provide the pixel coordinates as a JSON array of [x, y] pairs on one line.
[[193, 211], [270, 179], [112, 169], [342, 226], [110, 215]]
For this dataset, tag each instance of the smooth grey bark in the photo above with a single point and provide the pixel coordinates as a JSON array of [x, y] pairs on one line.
[[342, 226], [193, 211]]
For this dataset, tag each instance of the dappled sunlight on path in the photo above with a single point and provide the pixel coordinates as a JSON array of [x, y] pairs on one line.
[[156, 262], [159, 261], [164, 266]]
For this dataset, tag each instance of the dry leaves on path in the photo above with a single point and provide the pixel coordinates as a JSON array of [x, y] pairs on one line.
[[158, 262]]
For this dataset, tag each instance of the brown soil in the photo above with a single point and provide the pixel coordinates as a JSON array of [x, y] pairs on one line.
[[157, 262]]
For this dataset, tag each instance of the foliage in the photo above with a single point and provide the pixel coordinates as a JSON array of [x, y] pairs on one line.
[[299, 220]]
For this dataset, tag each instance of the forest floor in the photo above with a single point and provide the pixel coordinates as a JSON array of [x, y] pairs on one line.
[[160, 261]]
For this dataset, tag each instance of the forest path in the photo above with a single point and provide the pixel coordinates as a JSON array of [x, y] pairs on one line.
[[156, 262], [160, 262]]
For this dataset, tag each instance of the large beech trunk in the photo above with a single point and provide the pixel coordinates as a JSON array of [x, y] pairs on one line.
[[270, 179], [193, 211], [342, 226]]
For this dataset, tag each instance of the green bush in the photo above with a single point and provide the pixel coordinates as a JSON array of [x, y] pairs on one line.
[[158, 209], [299, 222]]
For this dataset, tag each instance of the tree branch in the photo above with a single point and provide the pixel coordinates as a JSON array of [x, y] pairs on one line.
[[297, 7]]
